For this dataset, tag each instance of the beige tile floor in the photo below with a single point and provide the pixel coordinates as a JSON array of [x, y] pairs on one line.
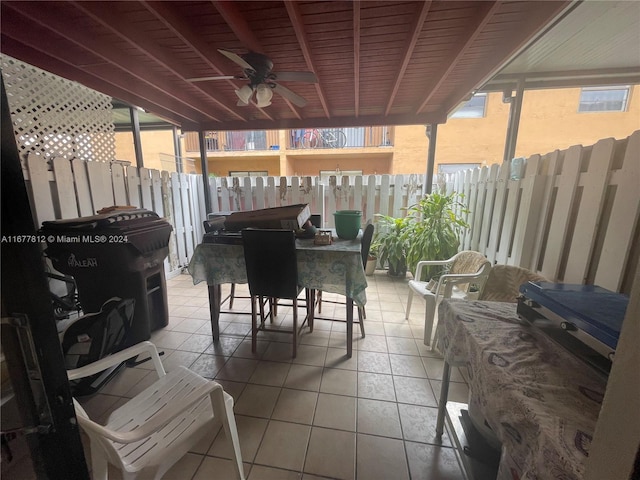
[[318, 416]]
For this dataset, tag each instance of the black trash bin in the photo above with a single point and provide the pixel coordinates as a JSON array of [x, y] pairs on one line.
[[116, 254]]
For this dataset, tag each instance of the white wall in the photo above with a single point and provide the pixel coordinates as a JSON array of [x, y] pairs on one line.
[[617, 436]]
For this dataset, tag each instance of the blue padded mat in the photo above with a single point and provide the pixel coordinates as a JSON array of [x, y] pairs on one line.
[[594, 309]]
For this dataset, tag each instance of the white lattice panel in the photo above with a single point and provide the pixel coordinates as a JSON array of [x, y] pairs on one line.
[[55, 117]]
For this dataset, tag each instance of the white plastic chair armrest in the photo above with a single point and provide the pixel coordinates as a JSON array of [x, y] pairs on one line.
[[450, 279], [424, 263], [455, 278], [156, 422], [119, 357]]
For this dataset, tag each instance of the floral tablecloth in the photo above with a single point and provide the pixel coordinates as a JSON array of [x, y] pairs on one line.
[[335, 268], [541, 401]]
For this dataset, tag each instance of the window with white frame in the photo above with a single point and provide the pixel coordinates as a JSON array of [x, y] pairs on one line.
[[474, 108], [604, 99]]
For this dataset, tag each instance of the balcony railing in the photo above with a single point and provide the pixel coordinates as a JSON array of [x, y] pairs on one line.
[[313, 138], [234, 141], [262, 140]]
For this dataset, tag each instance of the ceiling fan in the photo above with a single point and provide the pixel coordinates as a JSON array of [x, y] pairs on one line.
[[257, 68]]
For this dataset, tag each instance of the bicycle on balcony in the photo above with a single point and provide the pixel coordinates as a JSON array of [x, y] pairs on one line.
[[324, 138]]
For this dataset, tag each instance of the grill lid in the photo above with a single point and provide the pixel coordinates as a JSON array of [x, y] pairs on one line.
[[118, 219]]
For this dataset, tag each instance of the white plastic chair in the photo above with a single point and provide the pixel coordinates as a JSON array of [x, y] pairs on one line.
[[157, 427], [464, 268]]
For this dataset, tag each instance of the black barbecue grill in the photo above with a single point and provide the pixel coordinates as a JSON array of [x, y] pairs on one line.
[[116, 254]]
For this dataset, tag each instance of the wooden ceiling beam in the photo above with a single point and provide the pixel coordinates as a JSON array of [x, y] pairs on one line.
[[21, 28], [105, 15], [56, 25], [356, 56], [57, 66], [416, 28], [166, 13], [239, 26], [293, 10], [170, 17], [480, 20]]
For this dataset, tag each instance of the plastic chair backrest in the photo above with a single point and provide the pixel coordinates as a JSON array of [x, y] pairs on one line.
[[467, 261], [367, 235], [270, 258], [503, 284]]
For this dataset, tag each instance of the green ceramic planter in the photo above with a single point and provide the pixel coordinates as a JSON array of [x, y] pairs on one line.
[[347, 223]]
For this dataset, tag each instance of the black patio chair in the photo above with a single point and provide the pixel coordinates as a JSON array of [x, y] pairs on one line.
[[272, 272], [316, 221]]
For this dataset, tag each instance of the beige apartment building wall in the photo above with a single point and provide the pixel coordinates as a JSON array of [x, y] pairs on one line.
[[369, 161], [411, 146], [549, 121], [475, 140], [154, 143], [243, 162]]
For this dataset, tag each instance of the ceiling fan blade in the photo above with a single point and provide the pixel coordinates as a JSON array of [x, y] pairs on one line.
[[308, 77], [236, 59], [289, 95], [219, 77]]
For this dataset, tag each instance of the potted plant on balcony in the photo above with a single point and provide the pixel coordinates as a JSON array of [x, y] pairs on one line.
[[393, 243], [435, 230]]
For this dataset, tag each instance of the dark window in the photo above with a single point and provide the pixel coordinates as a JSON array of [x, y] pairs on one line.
[[258, 173]]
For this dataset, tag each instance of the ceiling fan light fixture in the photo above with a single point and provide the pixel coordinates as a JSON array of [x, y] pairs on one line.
[[244, 94], [264, 95]]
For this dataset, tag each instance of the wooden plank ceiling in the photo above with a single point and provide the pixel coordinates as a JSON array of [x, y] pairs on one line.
[[377, 63]]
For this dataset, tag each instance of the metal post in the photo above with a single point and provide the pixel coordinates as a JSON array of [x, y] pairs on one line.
[[205, 170], [515, 109], [177, 149], [442, 403], [135, 129], [432, 133]]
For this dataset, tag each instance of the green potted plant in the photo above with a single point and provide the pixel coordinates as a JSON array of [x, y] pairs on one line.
[[435, 230], [393, 243]]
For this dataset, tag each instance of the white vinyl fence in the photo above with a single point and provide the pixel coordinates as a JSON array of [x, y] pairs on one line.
[[62, 188], [571, 215]]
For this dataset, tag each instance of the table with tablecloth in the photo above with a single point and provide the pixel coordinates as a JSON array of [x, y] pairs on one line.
[[335, 268], [540, 401]]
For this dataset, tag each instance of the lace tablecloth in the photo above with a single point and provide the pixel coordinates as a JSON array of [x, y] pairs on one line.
[[335, 268], [541, 401]]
